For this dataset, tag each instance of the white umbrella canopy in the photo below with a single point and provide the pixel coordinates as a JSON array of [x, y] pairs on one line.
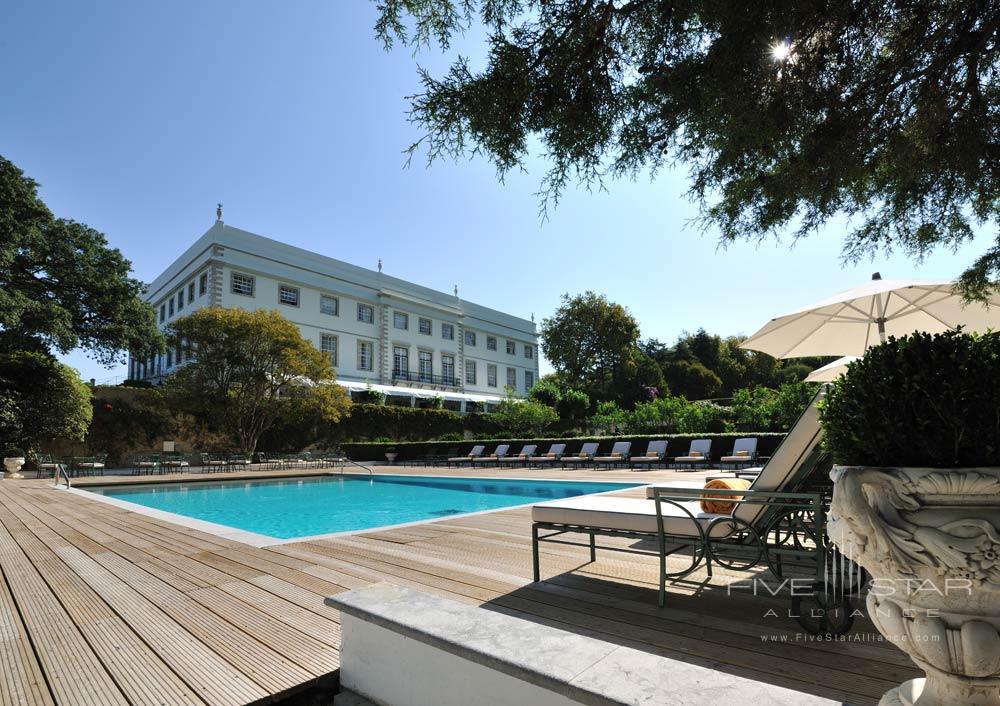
[[849, 322], [831, 371]]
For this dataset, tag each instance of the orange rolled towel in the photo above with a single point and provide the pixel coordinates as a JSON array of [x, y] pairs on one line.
[[717, 503]]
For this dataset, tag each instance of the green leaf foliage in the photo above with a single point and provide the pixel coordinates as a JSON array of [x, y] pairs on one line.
[[787, 115], [61, 286], [40, 399], [922, 400]]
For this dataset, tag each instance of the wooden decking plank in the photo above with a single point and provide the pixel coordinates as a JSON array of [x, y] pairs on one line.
[[21, 679]]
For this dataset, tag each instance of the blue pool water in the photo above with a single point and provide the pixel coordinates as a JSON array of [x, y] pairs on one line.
[[301, 507]]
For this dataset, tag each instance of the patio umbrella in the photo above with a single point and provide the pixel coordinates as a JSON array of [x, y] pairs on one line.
[[849, 322], [831, 371]]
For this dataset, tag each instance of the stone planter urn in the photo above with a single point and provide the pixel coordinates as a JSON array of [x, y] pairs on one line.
[[930, 538], [12, 465], [390, 456]]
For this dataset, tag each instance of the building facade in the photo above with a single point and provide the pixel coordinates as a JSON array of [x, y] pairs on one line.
[[402, 338]]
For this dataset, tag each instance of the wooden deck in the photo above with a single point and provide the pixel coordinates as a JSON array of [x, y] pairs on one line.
[[99, 605]]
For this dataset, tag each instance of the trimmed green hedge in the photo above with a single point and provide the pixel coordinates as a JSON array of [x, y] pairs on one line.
[[722, 444]]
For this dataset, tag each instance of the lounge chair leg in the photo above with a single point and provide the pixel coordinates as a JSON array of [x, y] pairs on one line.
[[593, 548], [534, 552]]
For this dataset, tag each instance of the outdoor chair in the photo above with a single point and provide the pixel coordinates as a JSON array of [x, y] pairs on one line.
[[235, 462], [744, 454], [47, 465], [656, 451], [88, 465], [522, 456], [584, 456], [779, 521], [213, 462], [618, 457], [498, 455], [175, 462], [145, 463], [699, 454], [476, 452], [552, 456]]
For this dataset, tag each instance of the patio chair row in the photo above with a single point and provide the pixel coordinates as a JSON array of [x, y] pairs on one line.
[[743, 454]]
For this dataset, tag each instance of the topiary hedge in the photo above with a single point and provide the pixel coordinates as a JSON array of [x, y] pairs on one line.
[[722, 444], [922, 400]]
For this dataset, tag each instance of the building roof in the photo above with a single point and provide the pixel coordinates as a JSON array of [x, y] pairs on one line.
[[238, 239]]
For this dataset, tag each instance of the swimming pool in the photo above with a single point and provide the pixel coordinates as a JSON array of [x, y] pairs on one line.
[[291, 508]]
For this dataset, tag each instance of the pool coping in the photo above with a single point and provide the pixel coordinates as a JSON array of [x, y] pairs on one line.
[[262, 540]]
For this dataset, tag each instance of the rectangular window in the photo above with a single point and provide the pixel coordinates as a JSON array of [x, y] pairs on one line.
[[448, 332], [328, 344], [366, 313], [329, 305], [190, 292], [491, 343], [511, 349], [170, 306], [448, 369], [365, 355], [512, 378], [180, 299], [400, 361], [470, 372], [288, 295], [400, 320], [529, 380], [202, 284], [170, 359], [242, 284], [425, 326], [163, 313], [180, 355], [470, 338], [491, 375], [425, 365], [529, 352]]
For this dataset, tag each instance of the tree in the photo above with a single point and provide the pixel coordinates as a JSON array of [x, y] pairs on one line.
[[545, 392], [764, 409], [40, 399], [522, 418], [588, 340], [250, 369], [787, 114], [573, 404], [691, 379], [61, 286]]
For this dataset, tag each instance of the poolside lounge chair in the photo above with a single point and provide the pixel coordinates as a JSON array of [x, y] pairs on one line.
[[618, 457], [522, 456], [655, 453], [498, 455], [584, 456], [213, 462], [237, 461], [174, 462], [553, 455], [699, 454], [744, 453], [89, 465], [476, 452], [756, 529], [145, 463], [47, 465]]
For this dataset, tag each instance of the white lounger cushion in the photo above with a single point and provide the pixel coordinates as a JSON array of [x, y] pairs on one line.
[[629, 514]]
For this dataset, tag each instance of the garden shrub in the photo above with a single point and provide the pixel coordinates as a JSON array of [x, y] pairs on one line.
[[765, 409], [920, 400]]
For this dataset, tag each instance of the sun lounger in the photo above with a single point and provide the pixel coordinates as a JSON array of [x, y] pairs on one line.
[[583, 457], [618, 457], [521, 459], [744, 453], [553, 455], [770, 522], [499, 454], [476, 452], [656, 451], [699, 454]]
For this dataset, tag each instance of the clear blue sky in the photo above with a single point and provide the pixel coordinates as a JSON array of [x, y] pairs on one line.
[[136, 118]]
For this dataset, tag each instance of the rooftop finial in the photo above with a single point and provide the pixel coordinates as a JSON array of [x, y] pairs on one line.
[[532, 317], [456, 290], [218, 213], [380, 264]]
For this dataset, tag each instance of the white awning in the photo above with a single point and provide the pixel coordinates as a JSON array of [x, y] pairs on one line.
[[420, 393]]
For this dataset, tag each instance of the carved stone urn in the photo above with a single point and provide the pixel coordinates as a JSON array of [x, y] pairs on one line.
[[930, 538], [12, 465]]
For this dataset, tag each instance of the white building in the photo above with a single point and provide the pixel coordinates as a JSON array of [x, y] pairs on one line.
[[404, 339]]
